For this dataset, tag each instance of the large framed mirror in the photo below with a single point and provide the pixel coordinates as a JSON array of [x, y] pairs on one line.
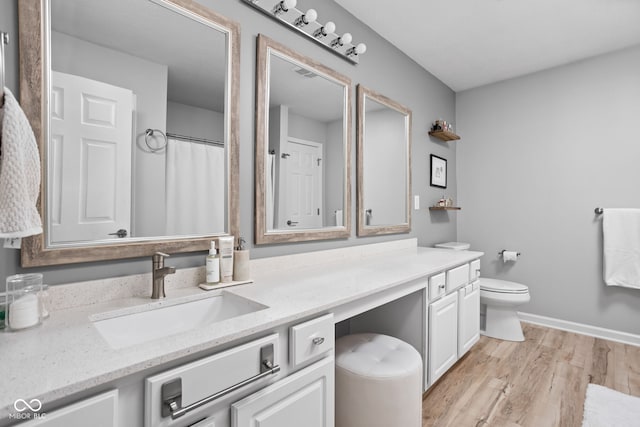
[[383, 164], [134, 104], [303, 134]]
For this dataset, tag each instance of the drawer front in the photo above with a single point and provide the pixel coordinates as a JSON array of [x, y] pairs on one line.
[[437, 286], [311, 339], [206, 377], [474, 271], [457, 277]]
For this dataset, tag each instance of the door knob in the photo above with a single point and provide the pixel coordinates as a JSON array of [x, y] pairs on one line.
[[120, 233], [292, 223]]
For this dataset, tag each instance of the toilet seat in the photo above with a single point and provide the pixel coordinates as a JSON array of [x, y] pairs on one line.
[[502, 286]]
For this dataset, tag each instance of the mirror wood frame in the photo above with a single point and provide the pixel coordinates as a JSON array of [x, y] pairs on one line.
[[32, 99], [263, 236], [375, 230]]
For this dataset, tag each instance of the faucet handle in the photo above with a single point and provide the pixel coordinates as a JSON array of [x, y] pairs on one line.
[[158, 259]]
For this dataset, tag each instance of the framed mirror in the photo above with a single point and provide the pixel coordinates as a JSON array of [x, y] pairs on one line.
[[134, 104], [383, 164], [303, 133]]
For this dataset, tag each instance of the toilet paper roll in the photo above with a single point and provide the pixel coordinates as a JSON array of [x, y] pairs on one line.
[[509, 256]]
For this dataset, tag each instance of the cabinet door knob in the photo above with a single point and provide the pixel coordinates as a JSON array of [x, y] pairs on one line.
[[441, 286], [318, 340]]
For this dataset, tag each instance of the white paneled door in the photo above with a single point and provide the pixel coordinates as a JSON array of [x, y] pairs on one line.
[[89, 159], [303, 184]]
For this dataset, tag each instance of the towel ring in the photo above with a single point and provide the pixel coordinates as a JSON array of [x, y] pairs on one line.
[[149, 133]]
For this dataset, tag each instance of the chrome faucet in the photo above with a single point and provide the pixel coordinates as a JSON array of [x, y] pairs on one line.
[[159, 271]]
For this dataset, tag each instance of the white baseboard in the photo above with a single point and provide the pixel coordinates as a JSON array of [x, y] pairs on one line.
[[580, 328]]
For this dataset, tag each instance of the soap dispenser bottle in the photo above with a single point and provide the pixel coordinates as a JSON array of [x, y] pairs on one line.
[[241, 266], [213, 265]]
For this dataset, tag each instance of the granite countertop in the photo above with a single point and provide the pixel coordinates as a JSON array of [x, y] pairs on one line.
[[67, 354]]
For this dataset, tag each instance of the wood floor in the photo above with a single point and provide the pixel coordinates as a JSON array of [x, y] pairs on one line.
[[540, 382]]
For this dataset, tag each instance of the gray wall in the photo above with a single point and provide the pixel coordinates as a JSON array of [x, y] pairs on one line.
[[383, 68], [537, 155]]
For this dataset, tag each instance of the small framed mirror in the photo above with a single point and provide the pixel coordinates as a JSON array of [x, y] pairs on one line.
[[303, 133], [134, 104], [383, 164]]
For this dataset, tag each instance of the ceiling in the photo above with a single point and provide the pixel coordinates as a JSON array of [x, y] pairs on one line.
[[470, 43]]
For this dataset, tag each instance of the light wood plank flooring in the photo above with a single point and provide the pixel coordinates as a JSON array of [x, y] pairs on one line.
[[540, 382]]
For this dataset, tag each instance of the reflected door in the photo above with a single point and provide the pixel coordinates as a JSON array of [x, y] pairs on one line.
[[90, 159], [302, 162]]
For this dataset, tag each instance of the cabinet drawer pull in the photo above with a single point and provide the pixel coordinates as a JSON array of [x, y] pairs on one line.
[[318, 340], [172, 390]]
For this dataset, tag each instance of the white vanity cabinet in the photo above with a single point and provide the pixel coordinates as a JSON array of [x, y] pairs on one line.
[[454, 318], [253, 383], [443, 335]]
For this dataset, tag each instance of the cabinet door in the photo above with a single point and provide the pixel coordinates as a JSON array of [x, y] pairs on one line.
[[469, 317], [97, 411], [305, 398], [443, 335]]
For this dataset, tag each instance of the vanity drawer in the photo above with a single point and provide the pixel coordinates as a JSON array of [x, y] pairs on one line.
[[311, 339], [437, 286], [474, 271], [205, 377], [457, 277]]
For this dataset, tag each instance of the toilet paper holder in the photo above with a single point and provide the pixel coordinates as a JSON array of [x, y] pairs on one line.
[[502, 253]]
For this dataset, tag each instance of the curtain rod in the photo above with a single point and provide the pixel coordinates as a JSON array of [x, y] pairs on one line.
[[194, 139]]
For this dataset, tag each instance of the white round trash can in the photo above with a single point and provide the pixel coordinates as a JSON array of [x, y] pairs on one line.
[[378, 382]]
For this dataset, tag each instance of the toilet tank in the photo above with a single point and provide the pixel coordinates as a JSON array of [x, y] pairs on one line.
[[456, 246]]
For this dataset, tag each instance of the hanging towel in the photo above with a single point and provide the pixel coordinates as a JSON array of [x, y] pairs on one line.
[[621, 229], [195, 188], [19, 173]]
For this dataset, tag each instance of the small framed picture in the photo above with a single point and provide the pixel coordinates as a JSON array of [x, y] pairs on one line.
[[438, 172]]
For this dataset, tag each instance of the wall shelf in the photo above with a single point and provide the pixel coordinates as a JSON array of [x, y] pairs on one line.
[[444, 208], [444, 135]]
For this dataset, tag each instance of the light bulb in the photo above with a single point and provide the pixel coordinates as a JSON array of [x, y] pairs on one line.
[[288, 4], [311, 16], [306, 19], [330, 27], [284, 6], [346, 38], [325, 30], [361, 48]]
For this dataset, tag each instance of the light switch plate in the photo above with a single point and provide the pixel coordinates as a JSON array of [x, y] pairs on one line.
[[12, 242], [416, 202]]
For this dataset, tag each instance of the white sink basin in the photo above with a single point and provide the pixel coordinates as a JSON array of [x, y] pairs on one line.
[[122, 328]]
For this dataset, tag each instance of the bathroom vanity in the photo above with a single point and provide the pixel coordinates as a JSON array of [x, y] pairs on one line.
[[266, 354]]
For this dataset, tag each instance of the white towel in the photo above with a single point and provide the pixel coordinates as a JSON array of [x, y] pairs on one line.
[[19, 173], [621, 229]]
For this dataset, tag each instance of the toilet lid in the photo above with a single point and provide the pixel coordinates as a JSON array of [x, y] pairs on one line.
[[502, 286]]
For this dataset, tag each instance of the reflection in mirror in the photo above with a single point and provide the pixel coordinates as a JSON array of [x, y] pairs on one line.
[[384, 164], [302, 148], [140, 137]]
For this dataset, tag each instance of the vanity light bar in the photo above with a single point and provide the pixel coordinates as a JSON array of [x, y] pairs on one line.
[[304, 22]]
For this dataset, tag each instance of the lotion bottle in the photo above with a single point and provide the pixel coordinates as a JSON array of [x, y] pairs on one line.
[[213, 265]]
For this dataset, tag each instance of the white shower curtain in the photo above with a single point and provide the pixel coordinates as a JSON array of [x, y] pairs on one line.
[[195, 184], [270, 196], [270, 200]]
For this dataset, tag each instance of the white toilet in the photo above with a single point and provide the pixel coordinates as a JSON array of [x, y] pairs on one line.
[[498, 301]]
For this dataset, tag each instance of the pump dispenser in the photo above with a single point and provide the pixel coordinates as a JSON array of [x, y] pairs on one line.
[[213, 265]]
